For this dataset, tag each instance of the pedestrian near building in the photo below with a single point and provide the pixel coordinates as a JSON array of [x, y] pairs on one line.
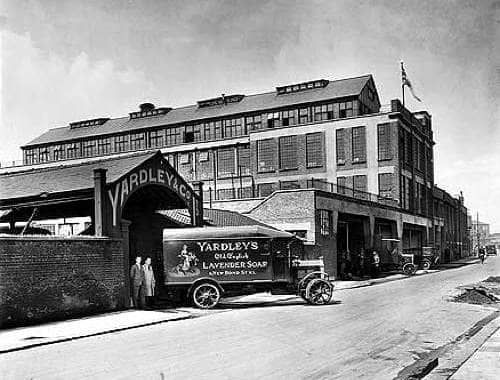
[[482, 255], [136, 279], [375, 264], [148, 283]]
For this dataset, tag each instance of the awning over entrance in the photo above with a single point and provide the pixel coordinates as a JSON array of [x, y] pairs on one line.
[[100, 188]]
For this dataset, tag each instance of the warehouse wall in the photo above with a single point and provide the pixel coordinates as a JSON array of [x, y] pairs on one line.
[[46, 278]]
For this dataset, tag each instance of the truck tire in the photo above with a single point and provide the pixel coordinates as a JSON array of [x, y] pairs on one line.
[[205, 295], [319, 292]]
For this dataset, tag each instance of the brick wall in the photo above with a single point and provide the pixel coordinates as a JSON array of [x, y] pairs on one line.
[[45, 278]]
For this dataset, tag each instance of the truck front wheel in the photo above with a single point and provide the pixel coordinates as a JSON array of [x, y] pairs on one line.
[[205, 295]]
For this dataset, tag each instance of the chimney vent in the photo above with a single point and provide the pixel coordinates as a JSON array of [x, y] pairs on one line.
[[146, 107]]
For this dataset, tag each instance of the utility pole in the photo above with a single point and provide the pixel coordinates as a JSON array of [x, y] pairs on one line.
[[477, 231]]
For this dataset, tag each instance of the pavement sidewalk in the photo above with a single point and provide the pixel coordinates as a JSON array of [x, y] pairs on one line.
[[54, 332], [484, 364]]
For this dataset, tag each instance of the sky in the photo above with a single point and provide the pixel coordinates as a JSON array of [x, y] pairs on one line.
[[63, 61]]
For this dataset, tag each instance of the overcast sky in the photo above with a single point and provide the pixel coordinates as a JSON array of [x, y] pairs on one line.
[[64, 61]]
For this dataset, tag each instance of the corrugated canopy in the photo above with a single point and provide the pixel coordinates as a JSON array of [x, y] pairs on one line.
[[67, 177]]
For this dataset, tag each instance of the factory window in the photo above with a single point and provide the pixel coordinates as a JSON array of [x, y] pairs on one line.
[[430, 162], [208, 132], [266, 155], [233, 127], [218, 129], [265, 189], [314, 150], [73, 150], [345, 109], [342, 185], [358, 144], [212, 130], [421, 156], [405, 192], [325, 222], [104, 146], [384, 142], [418, 196], [89, 148], [273, 120], [137, 141], [408, 153], [304, 116], [192, 133], [288, 118], [244, 160], [254, 123], [121, 143], [385, 185], [156, 138], [58, 152], [43, 155], [288, 152], [30, 157], [359, 183], [173, 136], [225, 162], [323, 112], [415, 150], [340, 146]]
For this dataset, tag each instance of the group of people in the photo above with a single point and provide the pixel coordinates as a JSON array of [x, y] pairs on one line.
[[359, 264], [142, 280]]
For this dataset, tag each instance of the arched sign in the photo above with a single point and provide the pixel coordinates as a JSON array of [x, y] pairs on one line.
[[156, 171]]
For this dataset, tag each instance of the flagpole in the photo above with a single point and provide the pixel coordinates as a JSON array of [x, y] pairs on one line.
[[402, 83]]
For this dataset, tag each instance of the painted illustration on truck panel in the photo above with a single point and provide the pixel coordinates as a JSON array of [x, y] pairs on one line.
[[221, 259], [187, 266]]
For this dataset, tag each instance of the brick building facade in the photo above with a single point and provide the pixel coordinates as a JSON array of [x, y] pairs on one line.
[[332, 136], [249, 146]]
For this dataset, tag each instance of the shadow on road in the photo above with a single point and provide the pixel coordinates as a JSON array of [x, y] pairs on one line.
[[250, 305]]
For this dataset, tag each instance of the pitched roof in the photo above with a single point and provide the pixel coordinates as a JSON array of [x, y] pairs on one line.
[[270, 100], [66, 177]]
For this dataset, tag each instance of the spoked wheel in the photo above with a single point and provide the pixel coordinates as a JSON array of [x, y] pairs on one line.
[[426, 265], [319, 292], [206, 295], [409, 269]]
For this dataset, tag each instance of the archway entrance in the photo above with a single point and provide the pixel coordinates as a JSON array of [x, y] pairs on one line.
[[145, 225], [129, 209]]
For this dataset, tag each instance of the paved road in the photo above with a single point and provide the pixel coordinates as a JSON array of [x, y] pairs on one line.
[[371, 333]]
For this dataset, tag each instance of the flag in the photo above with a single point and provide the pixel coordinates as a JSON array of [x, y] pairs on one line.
[[406, 82]]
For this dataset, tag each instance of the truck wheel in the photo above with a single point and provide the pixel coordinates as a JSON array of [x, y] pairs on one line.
[[409, 269], [206, 295], [426, 265], [319, 292]]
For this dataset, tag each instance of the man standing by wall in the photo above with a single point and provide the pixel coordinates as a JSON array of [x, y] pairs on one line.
[[136, 279]]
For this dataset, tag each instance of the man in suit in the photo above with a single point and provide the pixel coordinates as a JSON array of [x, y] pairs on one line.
[[136, 279]]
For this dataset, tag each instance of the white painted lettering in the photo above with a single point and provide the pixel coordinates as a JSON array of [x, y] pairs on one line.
[[114, 202], [143, 176]]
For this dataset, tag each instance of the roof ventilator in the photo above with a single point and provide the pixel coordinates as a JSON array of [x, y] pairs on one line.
[[319, 83]]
